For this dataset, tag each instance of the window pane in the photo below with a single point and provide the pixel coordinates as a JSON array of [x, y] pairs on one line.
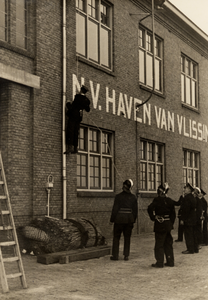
[[151, 177], [92, 8], [190, 176], [94, 172], [182, 64], [184, 176], [158, 153], [151, 152], [2, 19], [149, 70], [141, 38], [141, 66], [20, 12], [81, 171], [157, 75], [106, 173], [188, 90], [143, 176], [104, 49], [80, 4], [182, 88], [80, 35], [20, 40], [20, 27], [104, 14], [159, 175], [93, 41], [188, 70], [193, 93], [149, 42]]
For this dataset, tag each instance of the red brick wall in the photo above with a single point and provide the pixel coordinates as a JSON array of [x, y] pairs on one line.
[[31, 119]]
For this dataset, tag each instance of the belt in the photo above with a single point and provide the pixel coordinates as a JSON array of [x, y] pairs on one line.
[[161, 219], [125, 210]]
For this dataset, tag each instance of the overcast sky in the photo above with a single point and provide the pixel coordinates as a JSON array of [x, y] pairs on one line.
[[195, 10]]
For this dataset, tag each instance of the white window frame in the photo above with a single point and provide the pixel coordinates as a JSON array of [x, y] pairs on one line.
[[4, 16], [191, 167], [149, 159], [145, 52], [189, 82], [96, 153], [23, 23], [85, 29]]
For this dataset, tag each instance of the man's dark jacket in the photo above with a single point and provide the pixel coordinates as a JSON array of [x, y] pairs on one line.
[[81, 102], [162, 206], [189, 210], [125, 208]]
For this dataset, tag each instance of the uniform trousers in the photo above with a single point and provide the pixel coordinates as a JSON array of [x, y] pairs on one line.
[[118, 229], [180, 231], [72, 133], [164, 246], [190, 233], [204, 231]]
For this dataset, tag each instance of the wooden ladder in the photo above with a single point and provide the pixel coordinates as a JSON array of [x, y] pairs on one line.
[[8, 237]]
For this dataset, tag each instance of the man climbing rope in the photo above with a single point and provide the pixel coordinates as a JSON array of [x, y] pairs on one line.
[[74, 114]]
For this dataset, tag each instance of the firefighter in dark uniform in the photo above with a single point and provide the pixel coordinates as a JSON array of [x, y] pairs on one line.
[[162, 212], [74, 115], [204, 220], [199, 215], [124, 214], [189, 220]]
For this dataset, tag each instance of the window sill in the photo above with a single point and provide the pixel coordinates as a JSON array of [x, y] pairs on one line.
[[96, 194], [190, 107], [148, 194], [18, 50], [94, 65], [143, 87]]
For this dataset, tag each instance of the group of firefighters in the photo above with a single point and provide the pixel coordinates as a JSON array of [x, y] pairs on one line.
[[192, 221], [192, 213]]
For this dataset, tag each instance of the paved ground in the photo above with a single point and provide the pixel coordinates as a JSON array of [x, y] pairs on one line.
[[99, 279]]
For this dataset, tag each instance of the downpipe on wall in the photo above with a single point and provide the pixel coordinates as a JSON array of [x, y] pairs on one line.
[[63, 111]]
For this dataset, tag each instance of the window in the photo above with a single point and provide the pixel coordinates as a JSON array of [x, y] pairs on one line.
[[94, 31], [95, 160], [189, 84], [4, 20], [191, 167], [21, 23], [151, 165], [146, 60]]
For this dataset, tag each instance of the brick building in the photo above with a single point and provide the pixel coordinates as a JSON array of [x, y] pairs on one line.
[[47, 50]]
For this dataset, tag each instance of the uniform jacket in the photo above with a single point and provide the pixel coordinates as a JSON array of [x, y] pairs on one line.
[[162, 206], [188, 210], [204, 204], [80, 103], [179, 203], [125, 208], [199, 210]]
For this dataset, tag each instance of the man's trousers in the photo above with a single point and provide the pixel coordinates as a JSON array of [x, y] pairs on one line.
[[164, 246], [126, 229]]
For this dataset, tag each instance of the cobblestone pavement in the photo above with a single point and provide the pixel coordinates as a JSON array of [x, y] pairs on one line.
[[99, 279]]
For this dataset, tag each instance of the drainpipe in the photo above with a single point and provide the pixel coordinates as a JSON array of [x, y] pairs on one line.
[[63, 111], [149, 97]]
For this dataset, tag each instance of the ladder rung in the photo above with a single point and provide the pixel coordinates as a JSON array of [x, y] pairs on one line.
[[3, 197], [14, 275], [5, 212], [10, 259], [8, 243], [6, 227]]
